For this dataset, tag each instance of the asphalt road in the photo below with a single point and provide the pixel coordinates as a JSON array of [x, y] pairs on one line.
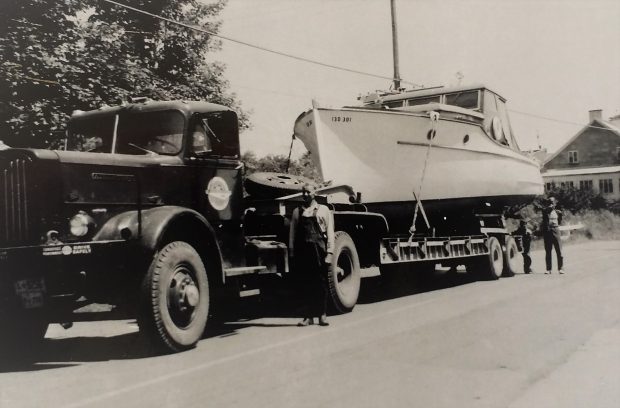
[[527, 341]]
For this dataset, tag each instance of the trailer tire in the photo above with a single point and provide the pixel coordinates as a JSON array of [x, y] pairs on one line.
[[490, 266], [274, 185], [511, 252], [343, 274], [174, 304]]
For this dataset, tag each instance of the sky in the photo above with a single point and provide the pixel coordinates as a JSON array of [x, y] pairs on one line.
[[552, 60]]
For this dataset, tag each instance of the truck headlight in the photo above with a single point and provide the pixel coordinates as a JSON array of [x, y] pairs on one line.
[[80, 223]]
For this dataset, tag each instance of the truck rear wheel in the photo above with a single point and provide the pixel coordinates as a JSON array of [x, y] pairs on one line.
[[343, 275], [175, 298], [491, 266], [510, 257]]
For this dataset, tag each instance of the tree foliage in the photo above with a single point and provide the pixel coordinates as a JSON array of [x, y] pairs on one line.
[[280, 164], [61, 55]]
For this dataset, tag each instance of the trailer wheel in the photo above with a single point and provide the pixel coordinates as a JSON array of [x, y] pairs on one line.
[[510, 257], [344, 276], [274, 185], [175, 298], [491, 266]]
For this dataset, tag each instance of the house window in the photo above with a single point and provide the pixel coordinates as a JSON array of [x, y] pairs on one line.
[[605, 186], [550, 186], [585, 184], [573, 157]]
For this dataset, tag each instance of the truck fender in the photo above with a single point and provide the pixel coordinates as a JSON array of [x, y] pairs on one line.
[[366, 230], [154, 227]]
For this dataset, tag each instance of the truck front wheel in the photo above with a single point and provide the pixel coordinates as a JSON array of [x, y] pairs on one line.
[[22, 333], [174, 304], [344, 276]]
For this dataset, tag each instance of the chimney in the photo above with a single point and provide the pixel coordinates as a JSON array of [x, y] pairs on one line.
[[596, 114]]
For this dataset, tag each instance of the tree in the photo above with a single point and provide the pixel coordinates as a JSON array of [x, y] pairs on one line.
[[61, 55], [280, 164]]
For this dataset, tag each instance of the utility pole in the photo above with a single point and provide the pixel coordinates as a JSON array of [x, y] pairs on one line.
[[395, 46]]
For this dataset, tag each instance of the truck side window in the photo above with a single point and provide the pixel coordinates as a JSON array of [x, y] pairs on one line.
[[221, 132], [200, 141]]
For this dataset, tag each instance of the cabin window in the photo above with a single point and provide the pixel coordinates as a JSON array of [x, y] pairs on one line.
[[467, 99], [550, 186], [394, 104], [423, 101], [573, 157], [605, 186], [585, 184]]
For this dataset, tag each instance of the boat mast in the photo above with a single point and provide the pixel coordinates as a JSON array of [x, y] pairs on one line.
[[395, 46]]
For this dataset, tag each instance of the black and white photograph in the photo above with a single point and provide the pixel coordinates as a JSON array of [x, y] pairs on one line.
[[310, 203]]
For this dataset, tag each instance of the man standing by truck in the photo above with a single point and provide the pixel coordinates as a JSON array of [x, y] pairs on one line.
[[311, 242], [526, 240], [552, 218]]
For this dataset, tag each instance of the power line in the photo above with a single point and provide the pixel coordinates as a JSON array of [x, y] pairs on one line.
[[323, 64], [557, 120], [283, 54]]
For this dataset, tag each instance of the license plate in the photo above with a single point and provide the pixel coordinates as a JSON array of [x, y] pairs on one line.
[[31, 292]]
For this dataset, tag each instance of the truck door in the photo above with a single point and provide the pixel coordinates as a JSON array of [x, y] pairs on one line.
[[214, 148]]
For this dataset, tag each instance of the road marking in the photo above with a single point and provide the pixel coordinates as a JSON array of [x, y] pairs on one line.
[[207, 365], [210, 364]]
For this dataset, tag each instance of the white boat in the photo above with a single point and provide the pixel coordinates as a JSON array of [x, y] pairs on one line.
[[453, 148]]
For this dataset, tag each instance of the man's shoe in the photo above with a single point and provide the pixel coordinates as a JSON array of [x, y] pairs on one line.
[[561, 272], [306, 322], [547, 272], [323, 321]]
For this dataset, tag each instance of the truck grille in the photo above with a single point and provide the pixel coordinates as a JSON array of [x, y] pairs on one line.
[[14, 201]]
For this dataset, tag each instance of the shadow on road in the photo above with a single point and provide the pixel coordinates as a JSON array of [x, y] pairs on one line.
[[278, 299], [398, 284]]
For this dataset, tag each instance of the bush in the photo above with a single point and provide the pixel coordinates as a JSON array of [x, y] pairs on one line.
[[576, 200]]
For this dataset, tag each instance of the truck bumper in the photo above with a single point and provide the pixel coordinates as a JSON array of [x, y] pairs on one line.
[[44, 275]]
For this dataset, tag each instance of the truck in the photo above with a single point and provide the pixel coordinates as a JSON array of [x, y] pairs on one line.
[[144, 209]]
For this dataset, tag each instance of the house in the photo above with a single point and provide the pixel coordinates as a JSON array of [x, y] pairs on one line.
[[589, 160]]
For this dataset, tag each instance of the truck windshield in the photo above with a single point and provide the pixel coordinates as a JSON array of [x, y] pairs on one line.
[[91, 134], [138, 133]]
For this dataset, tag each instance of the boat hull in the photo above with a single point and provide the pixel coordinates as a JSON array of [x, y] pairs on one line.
[[385, 156]]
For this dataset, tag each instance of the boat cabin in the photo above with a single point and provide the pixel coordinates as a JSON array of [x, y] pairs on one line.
[[489, 108]]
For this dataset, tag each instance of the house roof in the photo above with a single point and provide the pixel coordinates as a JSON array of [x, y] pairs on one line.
[[596, 124], [581, 171]]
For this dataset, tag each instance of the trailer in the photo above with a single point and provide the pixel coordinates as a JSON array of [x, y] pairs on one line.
[[144, 210]]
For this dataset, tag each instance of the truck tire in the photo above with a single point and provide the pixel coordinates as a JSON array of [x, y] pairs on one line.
[[490, 267], [274, 185], [22, 335], [174, 304], [511, 260], [343, 275]]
